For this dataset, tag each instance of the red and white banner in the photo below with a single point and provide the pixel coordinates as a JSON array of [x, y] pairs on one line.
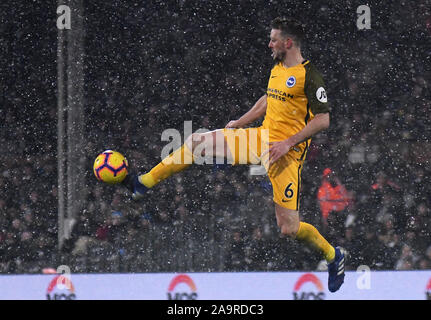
[[381, 285]]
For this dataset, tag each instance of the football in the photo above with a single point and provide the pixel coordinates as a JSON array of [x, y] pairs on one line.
[[110, 167]]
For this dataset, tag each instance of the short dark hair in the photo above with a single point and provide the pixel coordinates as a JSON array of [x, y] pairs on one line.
[[290, 27]]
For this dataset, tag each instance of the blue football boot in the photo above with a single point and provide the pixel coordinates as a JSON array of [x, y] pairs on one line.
[[336, 270], [135, 187]]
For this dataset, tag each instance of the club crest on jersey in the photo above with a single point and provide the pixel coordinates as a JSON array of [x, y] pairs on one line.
[[291, 81]]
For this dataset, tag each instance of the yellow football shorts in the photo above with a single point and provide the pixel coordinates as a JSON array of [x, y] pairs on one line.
[[247, 147]]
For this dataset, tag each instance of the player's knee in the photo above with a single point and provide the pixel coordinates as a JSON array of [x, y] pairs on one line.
[[288, 230], [202, 143], [194, 140]]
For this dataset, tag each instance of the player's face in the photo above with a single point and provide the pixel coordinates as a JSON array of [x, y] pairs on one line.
[[277, 43]]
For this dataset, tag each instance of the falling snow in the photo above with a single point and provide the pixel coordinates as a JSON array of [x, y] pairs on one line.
[[152, 65]]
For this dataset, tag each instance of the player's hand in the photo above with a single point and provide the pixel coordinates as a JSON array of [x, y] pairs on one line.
[[276, 150], [233, 124]]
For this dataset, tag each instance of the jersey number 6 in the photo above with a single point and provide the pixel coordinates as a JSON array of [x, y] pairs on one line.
[[288, 192]]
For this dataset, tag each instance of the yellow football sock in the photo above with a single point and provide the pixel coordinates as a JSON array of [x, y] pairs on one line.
[[177, 161], [309, 234]]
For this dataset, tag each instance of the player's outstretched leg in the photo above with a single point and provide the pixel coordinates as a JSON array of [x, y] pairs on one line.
[[201, 143], [336, 270], [138, 184]]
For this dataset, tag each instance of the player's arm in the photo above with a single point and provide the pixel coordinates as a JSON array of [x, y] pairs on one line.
[[257, 111], [277, 149], [319, 123]]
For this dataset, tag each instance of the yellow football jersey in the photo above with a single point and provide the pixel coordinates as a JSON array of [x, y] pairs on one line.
[[294, 96]]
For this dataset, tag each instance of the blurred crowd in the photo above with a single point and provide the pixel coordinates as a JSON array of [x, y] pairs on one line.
[[152, 66]]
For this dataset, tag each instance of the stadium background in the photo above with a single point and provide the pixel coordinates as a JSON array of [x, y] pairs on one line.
[[152, 66]]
